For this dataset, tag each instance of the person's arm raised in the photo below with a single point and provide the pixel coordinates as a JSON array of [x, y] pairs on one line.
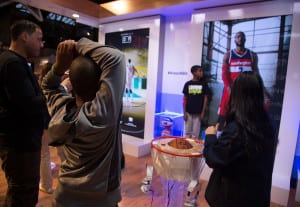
[[111, 61], [64, 56], [226, 71]]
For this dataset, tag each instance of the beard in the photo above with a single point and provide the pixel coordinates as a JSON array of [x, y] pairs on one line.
[[240, 43]]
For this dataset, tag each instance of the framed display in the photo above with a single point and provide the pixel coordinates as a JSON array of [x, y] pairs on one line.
[[134, 44], [267, 38], [141, 41]]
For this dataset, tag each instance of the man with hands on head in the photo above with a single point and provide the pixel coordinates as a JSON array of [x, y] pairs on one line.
[[87, 125]]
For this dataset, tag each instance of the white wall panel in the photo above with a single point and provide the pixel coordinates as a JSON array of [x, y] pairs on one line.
[[182, 49]]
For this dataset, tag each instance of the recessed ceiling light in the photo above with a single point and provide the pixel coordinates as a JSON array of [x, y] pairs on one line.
[[117, 7], [75, 15]]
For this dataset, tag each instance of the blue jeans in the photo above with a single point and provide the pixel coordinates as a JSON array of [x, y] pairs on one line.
[[22, 172]]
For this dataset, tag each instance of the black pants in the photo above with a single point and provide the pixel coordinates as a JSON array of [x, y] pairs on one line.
[[22, 172]]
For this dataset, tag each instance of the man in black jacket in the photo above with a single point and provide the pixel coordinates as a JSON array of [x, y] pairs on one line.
[[22, 115]]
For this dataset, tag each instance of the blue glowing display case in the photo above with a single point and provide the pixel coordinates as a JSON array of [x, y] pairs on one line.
[[168, 123]]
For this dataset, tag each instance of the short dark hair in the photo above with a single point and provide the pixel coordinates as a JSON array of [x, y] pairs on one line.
[[22, 26], [84, 76], [194, 68]]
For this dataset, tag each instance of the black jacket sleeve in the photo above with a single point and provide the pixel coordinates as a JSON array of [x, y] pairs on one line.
[[220, 153], [24, 94]]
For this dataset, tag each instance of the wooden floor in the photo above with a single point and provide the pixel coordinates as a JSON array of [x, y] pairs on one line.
[[132, 196]]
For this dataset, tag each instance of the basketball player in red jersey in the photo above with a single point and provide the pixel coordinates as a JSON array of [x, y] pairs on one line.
[[235, 61]]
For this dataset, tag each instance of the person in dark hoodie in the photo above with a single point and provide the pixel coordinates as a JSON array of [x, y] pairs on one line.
[[242, 158], [23, 115], [88, 123]]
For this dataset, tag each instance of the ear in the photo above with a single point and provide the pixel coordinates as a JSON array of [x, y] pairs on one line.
[[24, 36]]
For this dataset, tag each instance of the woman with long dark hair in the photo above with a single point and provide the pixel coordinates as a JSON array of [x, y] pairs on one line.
[[242, 158]]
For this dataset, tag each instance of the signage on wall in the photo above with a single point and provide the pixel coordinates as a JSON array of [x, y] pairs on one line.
[[126, 38], [184, 73]]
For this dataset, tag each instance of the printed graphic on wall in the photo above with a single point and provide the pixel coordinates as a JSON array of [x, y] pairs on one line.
[[267, 38], [134, 44]]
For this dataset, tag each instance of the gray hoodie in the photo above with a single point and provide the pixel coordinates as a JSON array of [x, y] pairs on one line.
[[90, 135]]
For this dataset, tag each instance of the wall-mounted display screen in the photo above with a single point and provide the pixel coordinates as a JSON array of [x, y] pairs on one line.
[[134, 44], [267, 37]]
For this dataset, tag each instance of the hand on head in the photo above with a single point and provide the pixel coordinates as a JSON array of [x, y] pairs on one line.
[[64, 56]]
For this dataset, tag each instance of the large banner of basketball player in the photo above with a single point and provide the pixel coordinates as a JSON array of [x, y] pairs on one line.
[[260, 44], [134, 44]]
